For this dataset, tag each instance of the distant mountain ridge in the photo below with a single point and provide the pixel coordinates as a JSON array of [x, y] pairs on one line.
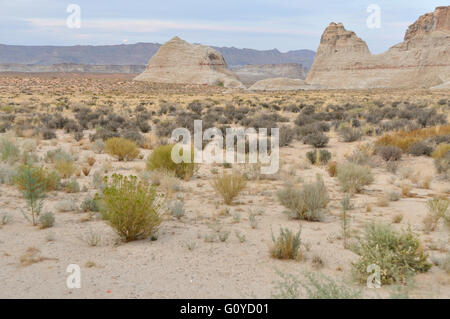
[[138, 54]]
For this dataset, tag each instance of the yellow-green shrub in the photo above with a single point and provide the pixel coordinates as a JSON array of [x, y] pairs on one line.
[[161, 159], [441, 150], [229, 186], [131, 207], [122, 148], [65, 168]]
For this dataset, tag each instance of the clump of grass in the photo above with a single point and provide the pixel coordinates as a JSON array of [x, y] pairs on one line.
[[354, 177], [316, 287], [345, 219], [161, 159], [306, 203], [122, 148], [47, 220], [286, 245], [397, 254], [90, 204], [318, 157], [438, 208], [72, 186], [176, 209], [229, 186], [67, 205], [9, 150], [440, 151], [131, 207], [332, 169], [65, 168]]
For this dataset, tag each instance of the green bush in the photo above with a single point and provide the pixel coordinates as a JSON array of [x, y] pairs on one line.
[[306, 203], [353, 177], [131, 207], [286, 245], [161, 159], [122, 148], [397, 254], [49, 180], [29, 182]]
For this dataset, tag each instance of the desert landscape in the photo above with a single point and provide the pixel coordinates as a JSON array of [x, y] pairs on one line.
[[362, 189]]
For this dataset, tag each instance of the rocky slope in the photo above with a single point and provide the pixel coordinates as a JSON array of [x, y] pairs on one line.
[[422, 60], [180, 62], [250, 74]]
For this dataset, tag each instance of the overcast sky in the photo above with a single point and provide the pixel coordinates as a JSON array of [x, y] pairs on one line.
[[263, 24]]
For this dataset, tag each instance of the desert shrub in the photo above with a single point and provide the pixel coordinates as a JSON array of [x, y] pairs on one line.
[[443, 165], [229, 186], [397, 254], [176, 209], [98, 146], [306, 203], [286, 245], [316, 286], [131, 207], [89, 204], [438, 208], [332, 169], [349, 134], [389, 153], [441, 150], [7, 173], [319, 157], [318, 140], [47, 220], [405, 139], [9, 150], [123, 149], [58, 154], [287, 134], [65, 168], [49, 180], [72, 186], [353, 177], [48, 134], [161, 159], [33, 190], [420, 148], [67, 205], [322, 287]]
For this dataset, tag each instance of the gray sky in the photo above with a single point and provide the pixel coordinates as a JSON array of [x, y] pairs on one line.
[[264, 24]]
